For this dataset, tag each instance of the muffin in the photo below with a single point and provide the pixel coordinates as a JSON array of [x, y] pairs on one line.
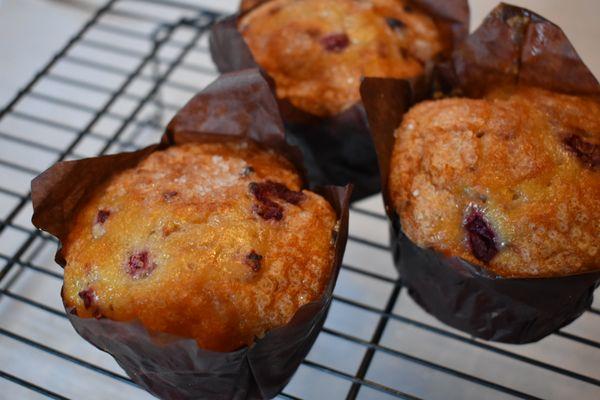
[[316, 51], [199, 263], [213, 241], [510, 181], [493, 189]]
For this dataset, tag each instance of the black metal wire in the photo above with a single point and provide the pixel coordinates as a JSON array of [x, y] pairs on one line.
[[164, 38], [369, 243], [65, 356], [437, 367], [61, 314], [57, 57], [9, 192], [288, 396], [371, 344], [31, 386], [471, 341], [369, 213], [369, 274], [368, 357], [579, 339], [9, 107], [359, 381], [107, 27], [157, 84], [98, 88], [80, 135], [129, 53], [137, 16]]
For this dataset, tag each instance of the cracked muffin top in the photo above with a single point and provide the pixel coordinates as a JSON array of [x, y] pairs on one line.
[[318, 50], [510, 182], [213, 241]]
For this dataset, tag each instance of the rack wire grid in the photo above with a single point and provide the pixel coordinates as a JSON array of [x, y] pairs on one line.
[[112, 88]]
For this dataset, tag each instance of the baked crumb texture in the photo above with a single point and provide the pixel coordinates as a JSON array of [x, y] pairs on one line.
[[318, 50], [510, 181], [214, 241]]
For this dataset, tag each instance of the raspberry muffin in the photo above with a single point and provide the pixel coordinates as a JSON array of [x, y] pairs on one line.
[[493, 193], [211, 241], [317, 50], [510, 181]]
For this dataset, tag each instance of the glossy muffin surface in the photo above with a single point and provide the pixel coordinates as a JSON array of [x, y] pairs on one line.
[[213, 241], [510, 182], [318, 50]]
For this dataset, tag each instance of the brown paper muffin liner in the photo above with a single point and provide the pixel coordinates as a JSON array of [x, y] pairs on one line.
[[512, 46], [236, 106], [337, 149]]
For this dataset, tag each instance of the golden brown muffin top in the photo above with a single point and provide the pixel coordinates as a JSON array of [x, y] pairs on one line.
[[213, 241], [510, 181], [318, 50]]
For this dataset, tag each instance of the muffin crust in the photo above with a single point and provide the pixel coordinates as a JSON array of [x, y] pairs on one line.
[[318, 50], [510, 182], [213, 241]]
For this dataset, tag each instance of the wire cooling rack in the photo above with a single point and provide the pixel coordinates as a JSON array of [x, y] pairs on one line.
[[112, 88]]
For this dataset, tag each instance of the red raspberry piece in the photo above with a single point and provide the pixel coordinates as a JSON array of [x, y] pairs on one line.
[[102, 216], [89, 297], [253, 260], [335, 42], [481, 236], [140, 265], [588, 153]]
